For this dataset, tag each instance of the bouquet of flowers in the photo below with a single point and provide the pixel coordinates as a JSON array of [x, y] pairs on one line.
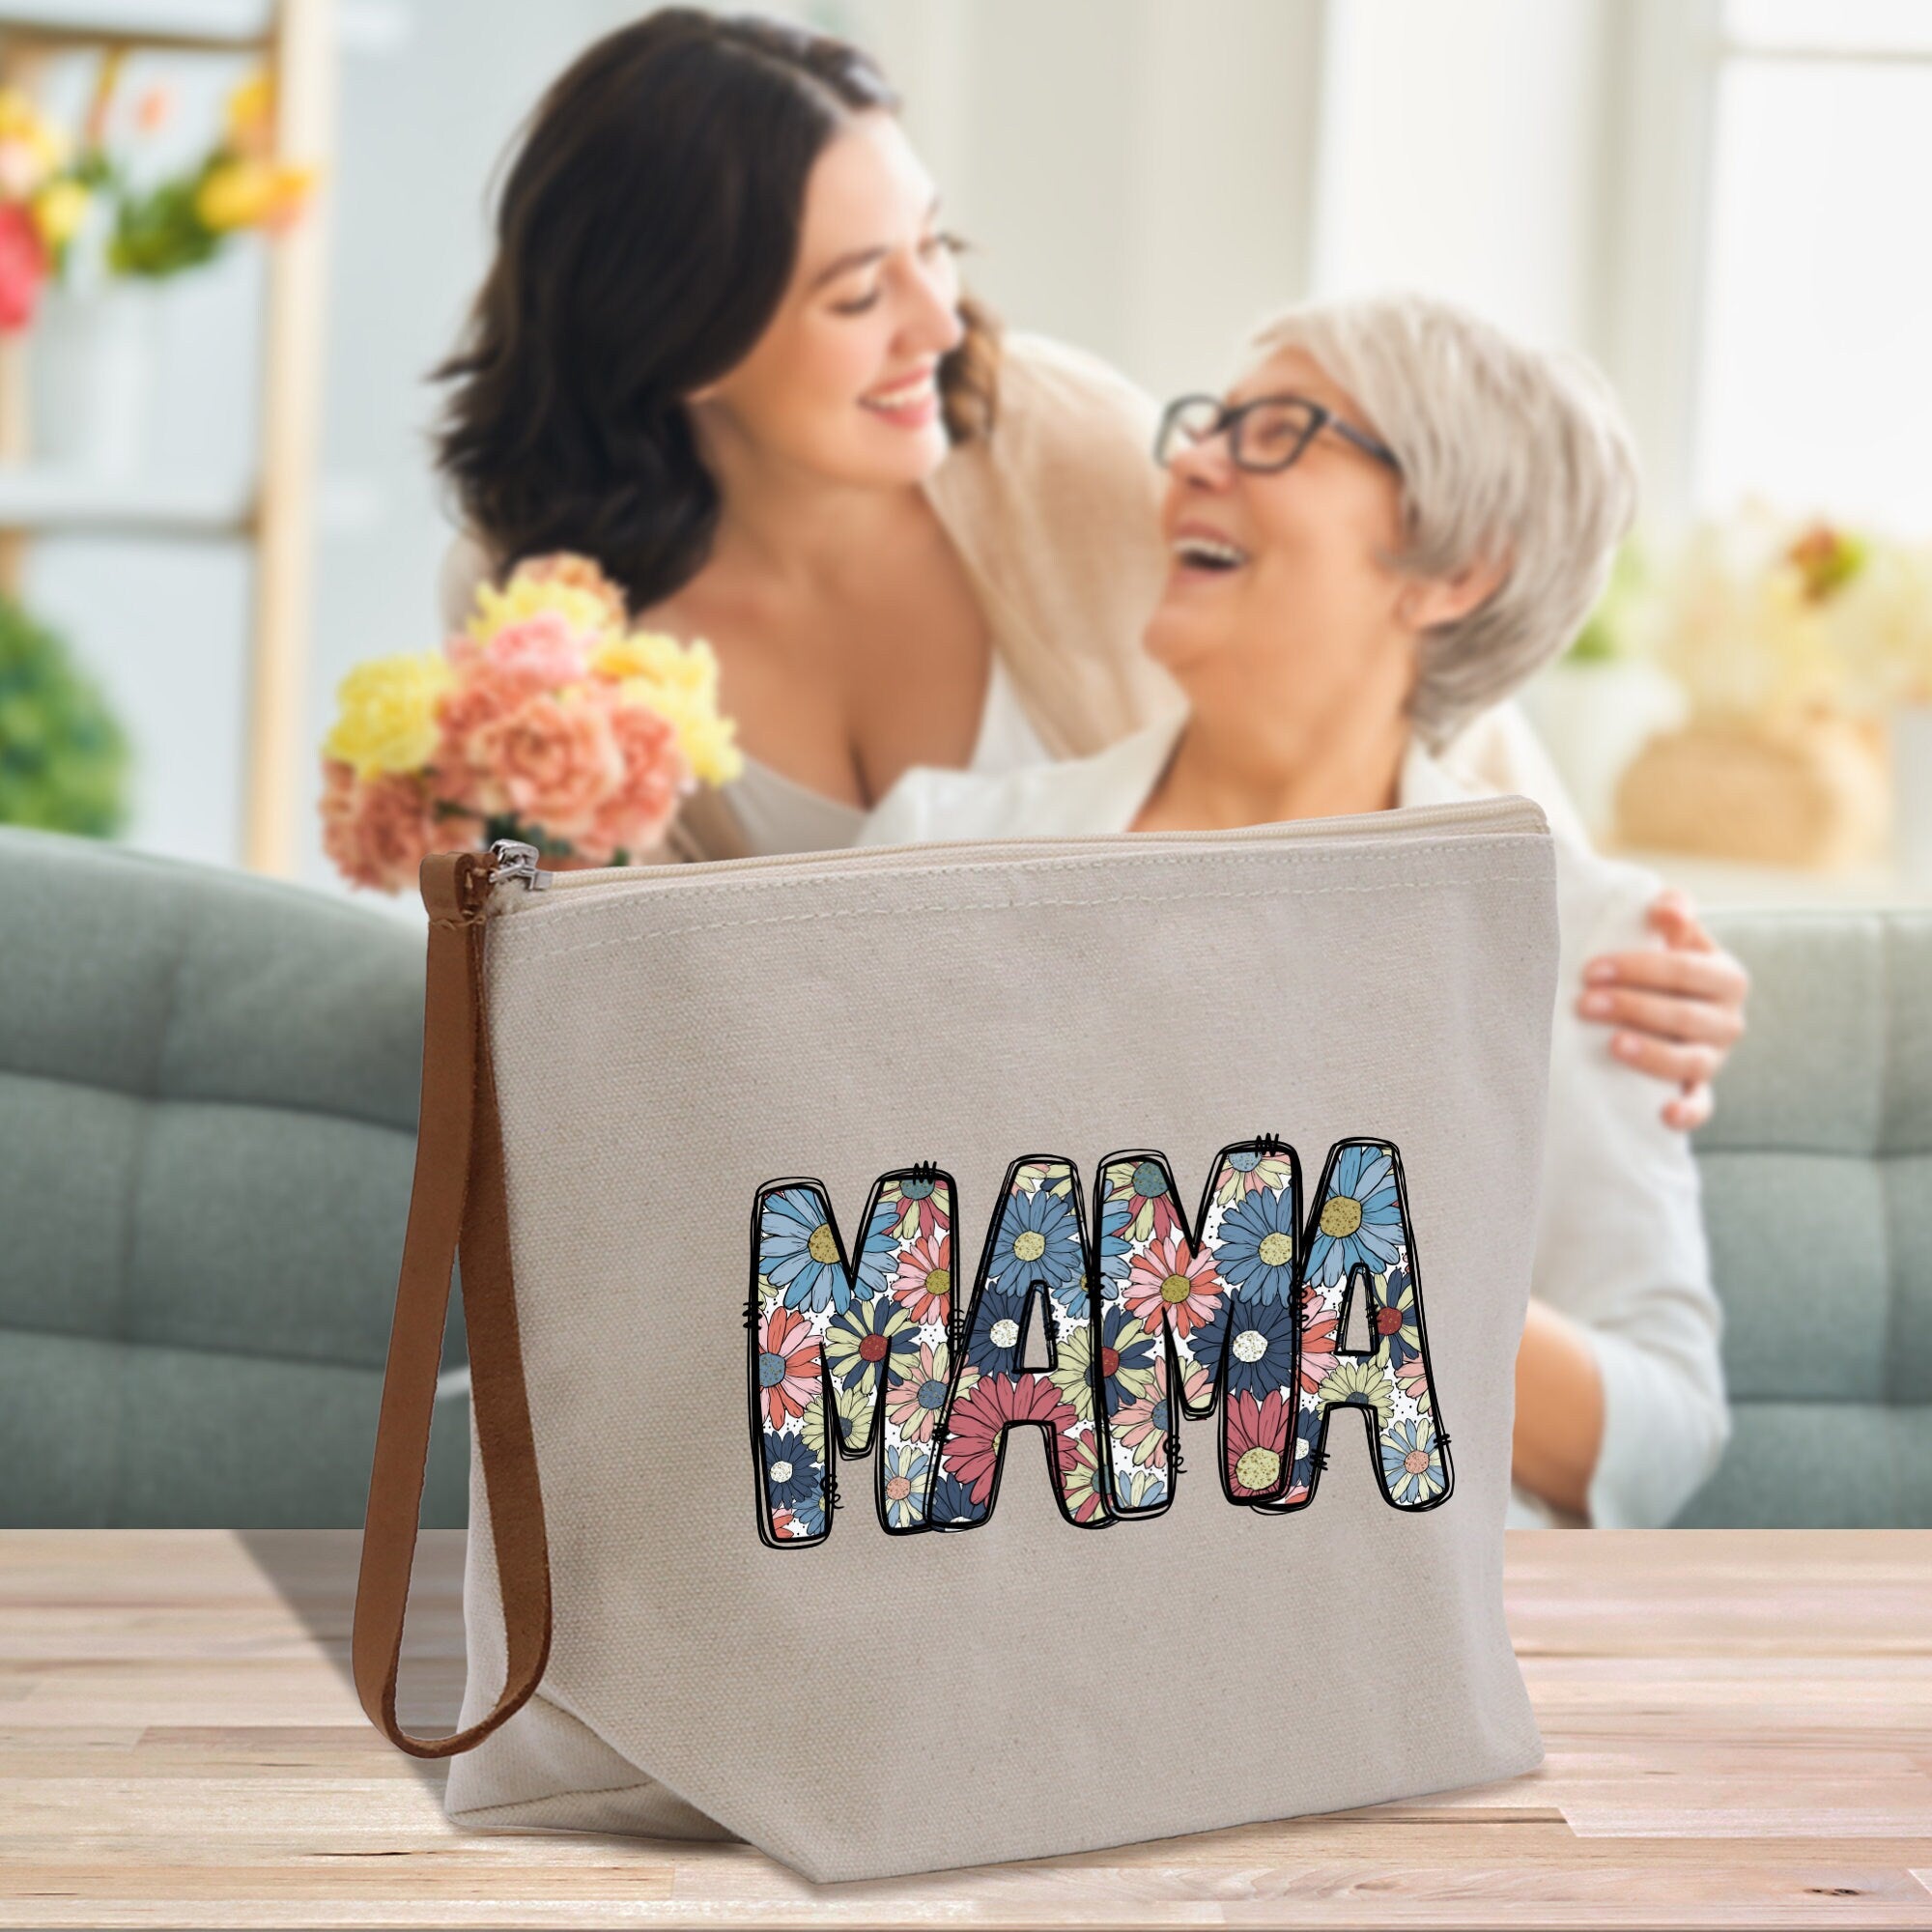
[[183, 221], [1794, 642], [51, 185], [548, 719]]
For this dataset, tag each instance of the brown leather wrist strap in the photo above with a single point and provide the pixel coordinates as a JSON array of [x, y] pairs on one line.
[[458, 1200]]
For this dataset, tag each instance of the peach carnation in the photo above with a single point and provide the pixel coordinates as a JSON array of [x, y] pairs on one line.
[[543, 650], [656, 776], [378, 830], [551, 761]]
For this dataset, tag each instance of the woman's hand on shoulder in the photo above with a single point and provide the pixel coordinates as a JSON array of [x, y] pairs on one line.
[[1678, 1008]]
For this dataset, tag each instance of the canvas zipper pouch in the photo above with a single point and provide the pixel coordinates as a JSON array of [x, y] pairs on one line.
[[978, 1351]]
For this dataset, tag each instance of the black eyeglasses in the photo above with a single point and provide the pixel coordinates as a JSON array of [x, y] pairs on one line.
[[1264, 435]]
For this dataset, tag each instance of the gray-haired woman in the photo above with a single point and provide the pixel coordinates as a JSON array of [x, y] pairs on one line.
[[1392, 517], [760, 399]]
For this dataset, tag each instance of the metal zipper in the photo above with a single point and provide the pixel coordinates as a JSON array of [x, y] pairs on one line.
[[515, 863]]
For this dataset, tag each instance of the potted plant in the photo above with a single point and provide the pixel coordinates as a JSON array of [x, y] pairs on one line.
[[1780, 633], [128, 235], [63, 756]]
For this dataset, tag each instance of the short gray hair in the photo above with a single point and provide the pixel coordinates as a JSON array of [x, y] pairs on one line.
[[1504, 448]]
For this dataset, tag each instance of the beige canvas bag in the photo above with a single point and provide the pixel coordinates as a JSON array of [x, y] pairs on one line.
[[967, 1339]]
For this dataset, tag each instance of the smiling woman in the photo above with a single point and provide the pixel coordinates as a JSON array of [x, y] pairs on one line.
[[724, 352]]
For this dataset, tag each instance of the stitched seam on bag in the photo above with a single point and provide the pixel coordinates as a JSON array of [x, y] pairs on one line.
[[574, 1791], [1064, 863], [525, 953]]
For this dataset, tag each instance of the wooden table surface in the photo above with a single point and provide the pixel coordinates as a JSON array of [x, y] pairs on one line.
[[1739, 1727]]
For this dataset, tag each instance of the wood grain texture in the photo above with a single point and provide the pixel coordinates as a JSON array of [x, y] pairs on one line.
[[1739, 1726]]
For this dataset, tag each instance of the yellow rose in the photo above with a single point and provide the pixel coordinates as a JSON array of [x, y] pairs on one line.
[[250, 194], [389, 714], [681, 682], [580, 573], [58, 210], [655, 655], [691, 709], [523, 597]]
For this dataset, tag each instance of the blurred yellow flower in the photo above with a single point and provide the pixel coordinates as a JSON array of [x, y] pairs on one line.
[[31, 146], [581, 573], [1767, 622], [251, 194], [389, 716], [250, 119], [583, 609], [58, 210], [657, 655], [680, 681]]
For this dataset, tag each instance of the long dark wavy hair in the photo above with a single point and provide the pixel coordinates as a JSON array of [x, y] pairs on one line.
[[648, 230]]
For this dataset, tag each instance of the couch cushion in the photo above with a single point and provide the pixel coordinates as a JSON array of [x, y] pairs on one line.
[[1817, 1180], [208, 1098]]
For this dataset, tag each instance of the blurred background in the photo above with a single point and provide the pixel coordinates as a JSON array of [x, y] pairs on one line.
[[214, 498], [235, 236]]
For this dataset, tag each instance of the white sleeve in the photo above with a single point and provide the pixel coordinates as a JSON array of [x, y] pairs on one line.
[[1621, 1246], [1499, 749]]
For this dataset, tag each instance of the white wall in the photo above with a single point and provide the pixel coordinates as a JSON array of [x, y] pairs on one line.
[[1465, 151], [430, 93], [1140, 172]]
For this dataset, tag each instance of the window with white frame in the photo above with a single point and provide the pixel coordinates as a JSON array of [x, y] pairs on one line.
[[1814, 377]]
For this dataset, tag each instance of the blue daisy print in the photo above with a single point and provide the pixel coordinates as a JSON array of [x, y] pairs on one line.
[[1395, 1320], [809, 1516], [1038, 1240], [1116, 1249], [1255, 1248], [951, 1502], [1261, 1348], [1131, 1351], [791, 1470], [907, 1466], [798, 1252], [999, 1320], [1361, 1216], [1413, 1469], [871, 1335]]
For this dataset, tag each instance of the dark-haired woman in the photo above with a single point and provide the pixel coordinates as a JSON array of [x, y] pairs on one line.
[[723, 351]]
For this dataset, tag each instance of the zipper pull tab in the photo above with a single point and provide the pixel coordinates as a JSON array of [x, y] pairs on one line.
[[513, 859]]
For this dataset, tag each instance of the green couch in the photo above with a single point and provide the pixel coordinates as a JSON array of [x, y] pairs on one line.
[[208, 1109], [207, 1101], [1817, 1177]]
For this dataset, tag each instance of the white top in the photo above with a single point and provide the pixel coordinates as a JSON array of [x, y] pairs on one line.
[[1620, 1237], [778, 814]]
